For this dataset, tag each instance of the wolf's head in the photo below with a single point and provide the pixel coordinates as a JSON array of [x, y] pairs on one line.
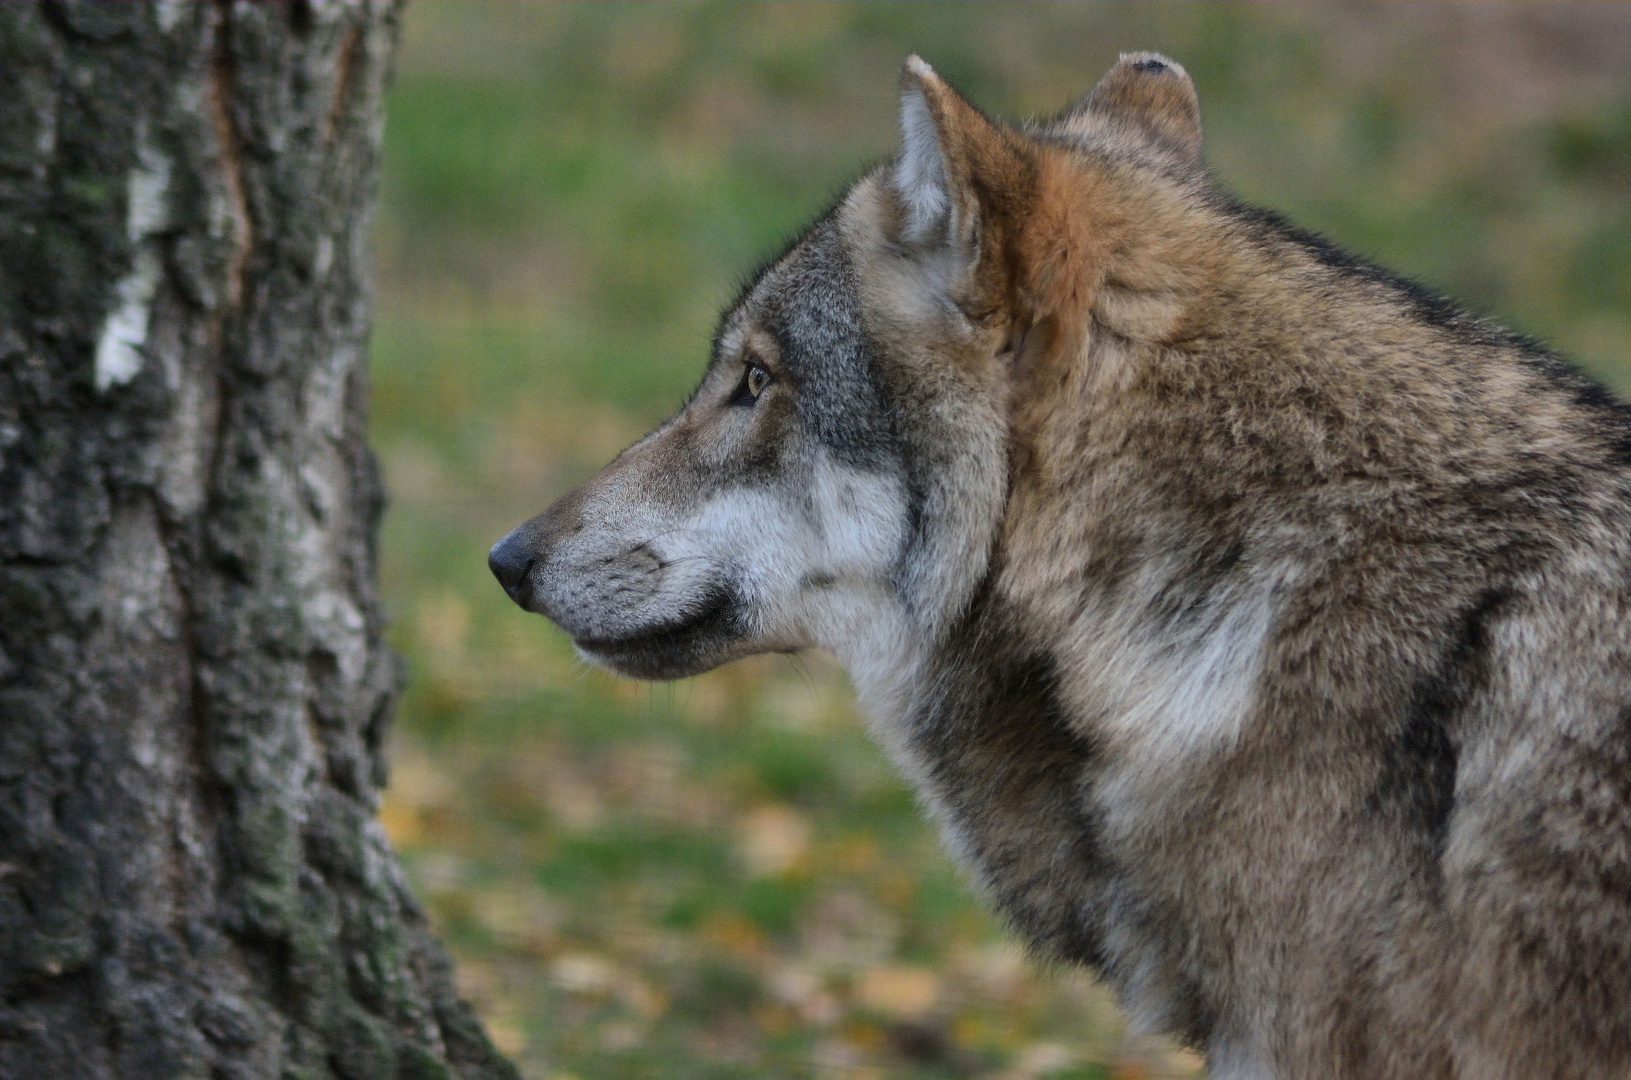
[[840, 476]]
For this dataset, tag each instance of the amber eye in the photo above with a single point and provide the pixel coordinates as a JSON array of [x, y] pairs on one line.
[[757, 379], [754, 381]]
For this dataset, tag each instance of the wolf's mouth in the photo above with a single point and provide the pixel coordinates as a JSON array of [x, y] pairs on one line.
[[672, 650]]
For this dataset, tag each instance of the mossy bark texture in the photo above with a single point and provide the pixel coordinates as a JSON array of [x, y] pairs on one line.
[[193, 684]]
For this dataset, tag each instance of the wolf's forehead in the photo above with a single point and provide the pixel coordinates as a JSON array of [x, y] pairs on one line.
[[813, 273]]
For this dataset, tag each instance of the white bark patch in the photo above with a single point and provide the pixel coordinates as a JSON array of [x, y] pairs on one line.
[[169, 13], [119, 349], [148, 209], [324, 396]]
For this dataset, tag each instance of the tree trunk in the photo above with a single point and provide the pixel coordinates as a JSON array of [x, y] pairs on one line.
[[193, 685]]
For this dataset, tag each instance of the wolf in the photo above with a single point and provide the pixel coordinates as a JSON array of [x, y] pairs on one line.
[[1255, 623]]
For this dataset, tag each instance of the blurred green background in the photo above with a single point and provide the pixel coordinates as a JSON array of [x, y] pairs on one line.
[[722, 877]]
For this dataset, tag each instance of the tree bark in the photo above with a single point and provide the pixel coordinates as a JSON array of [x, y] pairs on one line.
[[193, 685]]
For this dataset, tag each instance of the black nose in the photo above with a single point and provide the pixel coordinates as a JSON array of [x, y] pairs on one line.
[[509, 561]]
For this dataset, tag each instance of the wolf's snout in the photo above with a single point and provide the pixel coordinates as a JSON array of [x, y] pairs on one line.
[[510, 561], [518, 560]]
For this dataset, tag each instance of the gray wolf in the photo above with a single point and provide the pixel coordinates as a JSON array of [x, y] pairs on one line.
[[1256, 624]]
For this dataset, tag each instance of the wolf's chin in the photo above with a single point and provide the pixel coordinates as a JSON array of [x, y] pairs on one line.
[[674, 650]]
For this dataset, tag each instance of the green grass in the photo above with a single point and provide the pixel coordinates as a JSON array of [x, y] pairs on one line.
[[724, 877]]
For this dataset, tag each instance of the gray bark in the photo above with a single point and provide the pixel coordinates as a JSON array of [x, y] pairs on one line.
[[193, 685]]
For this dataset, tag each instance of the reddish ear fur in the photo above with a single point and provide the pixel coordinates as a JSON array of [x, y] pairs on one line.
[[1016, 206], [1060, 254]]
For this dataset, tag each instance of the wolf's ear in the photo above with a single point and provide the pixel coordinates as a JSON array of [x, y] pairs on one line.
[[944, 140], [1154, 93]]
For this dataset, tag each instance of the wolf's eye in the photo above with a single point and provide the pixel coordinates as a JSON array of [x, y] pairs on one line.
[[754, 381], [758, 379]]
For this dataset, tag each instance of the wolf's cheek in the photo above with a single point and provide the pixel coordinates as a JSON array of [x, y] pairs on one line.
[[797, 549], [833, 564], [753, 538]]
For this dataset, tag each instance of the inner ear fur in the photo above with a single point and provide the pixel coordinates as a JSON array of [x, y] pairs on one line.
[[1154, 94], [1016, 206], [959, 172], [990, 192]]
